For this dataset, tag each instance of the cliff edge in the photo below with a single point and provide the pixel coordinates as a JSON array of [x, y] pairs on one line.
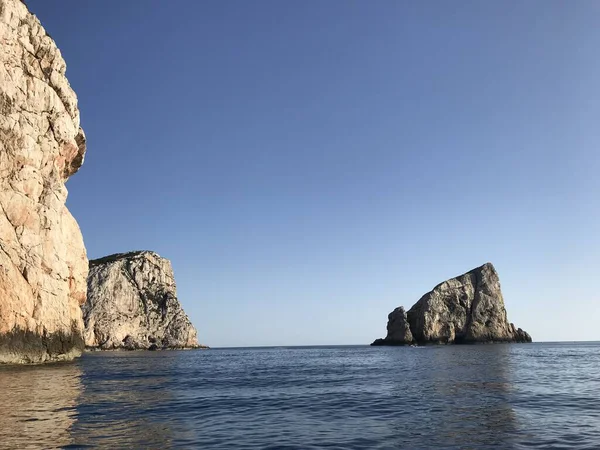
[[43, 263], [132, 304]]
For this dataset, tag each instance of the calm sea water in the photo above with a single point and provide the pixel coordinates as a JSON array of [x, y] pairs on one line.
[[472, 397]]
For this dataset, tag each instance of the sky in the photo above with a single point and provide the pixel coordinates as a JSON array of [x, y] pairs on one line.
[[309, 166]]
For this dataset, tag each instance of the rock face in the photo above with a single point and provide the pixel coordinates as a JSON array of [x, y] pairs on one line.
[[465, 309], [398, 329], [43, 264], [132, 304]]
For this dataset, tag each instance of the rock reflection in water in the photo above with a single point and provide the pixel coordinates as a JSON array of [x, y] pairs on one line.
[[478, 395], [125, 400], [38, 406], [462, 396]]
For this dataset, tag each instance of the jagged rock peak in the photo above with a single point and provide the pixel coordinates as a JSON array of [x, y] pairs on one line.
[[132, 304], [43, 263], [466, 309]]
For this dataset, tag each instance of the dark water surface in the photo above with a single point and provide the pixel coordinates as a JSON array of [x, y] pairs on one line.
[[472, 397]]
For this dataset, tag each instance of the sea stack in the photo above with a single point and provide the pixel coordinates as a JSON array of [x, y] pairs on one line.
[[132, 304], [467, 309], [398, 329], [43, 263]]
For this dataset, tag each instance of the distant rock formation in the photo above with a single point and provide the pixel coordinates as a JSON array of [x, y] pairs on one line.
[[132, 304], [43, 263], [462, 310]]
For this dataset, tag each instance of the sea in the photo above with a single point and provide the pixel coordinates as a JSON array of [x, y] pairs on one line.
[[502, 396]]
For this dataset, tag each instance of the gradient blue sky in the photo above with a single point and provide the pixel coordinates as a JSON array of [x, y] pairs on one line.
[[308, 166]]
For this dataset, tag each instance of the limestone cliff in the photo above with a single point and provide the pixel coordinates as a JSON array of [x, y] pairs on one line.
[[465, 309], [43, 263], [132, 304]]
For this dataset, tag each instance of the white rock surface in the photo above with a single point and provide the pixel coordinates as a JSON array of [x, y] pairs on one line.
[[132, 304], [43, 263]]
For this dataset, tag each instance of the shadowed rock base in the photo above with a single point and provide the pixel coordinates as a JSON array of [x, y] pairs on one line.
[[27, 347], [152, 348], [389, 342]]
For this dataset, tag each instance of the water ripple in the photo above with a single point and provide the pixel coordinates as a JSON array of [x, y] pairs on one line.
[[541, 396]]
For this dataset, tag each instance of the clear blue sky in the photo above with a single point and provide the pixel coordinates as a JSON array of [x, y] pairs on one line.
[[308, 166]]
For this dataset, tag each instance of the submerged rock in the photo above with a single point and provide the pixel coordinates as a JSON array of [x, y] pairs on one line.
[[43, 263], [465, 309], [132, 304]]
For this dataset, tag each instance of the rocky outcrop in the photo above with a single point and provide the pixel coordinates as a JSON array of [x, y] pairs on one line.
[[132, 304], [398, 329], [466, 309], [43, 264]]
